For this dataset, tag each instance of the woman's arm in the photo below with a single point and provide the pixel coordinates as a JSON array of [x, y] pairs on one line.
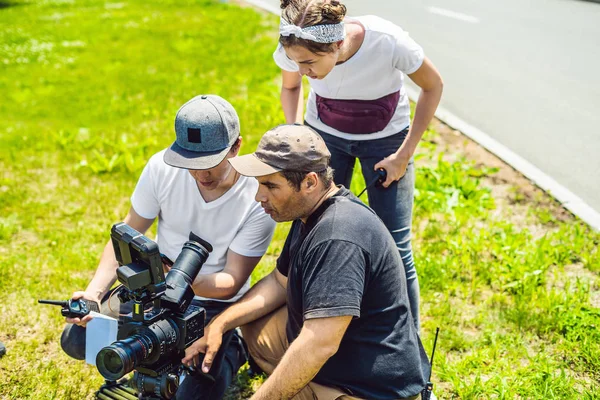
[[292, 97], [430, 81]]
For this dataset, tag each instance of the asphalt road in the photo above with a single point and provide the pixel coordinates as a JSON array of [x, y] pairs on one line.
[[526, 72]]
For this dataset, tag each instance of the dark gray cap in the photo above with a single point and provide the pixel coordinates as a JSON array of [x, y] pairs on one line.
[[286, 147], [206, 128]]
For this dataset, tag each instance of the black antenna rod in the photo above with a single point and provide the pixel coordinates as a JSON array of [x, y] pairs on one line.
[[437, 331], [54, 302]]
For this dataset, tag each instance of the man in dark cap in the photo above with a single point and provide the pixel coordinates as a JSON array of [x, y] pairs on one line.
[[191, 187], [333, 319]]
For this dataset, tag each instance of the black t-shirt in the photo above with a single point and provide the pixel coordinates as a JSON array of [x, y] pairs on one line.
[[344, 261]]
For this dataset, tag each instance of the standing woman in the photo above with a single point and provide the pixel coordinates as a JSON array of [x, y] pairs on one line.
[[358, 103]]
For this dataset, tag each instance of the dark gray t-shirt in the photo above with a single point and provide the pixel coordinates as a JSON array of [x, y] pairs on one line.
[[342, 262]]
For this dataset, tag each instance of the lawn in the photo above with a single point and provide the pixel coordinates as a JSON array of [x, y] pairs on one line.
[[89, 93]]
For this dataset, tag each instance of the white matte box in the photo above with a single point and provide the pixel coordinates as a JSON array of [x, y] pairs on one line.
[[101, 331]]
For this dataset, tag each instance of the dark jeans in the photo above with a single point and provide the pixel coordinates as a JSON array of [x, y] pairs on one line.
[[229, 359], [393, 204]]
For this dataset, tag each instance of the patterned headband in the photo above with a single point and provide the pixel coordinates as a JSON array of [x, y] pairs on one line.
[[329, 33]]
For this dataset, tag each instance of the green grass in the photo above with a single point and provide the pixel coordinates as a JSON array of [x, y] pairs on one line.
[[89, 92]]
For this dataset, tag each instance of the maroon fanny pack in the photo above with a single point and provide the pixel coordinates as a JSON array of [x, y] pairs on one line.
[[357, 116]]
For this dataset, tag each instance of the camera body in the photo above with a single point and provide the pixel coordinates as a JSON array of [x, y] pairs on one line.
[[153, 342], [163, 337]]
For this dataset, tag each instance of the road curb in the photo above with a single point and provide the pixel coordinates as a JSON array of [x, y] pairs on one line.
[[568, 199]]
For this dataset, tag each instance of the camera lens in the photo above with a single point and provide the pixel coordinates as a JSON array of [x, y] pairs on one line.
[[113, 362], [145, 346], [110, 363], [179, 292], [122, 357]]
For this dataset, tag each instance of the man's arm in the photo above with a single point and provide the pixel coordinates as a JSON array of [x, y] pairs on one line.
[[106, 274], [330, 298], [226, 283], [265, 296], [243, 254], [318, 340]]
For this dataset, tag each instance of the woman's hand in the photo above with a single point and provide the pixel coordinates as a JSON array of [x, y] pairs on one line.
[[208, 345], [395, 165]]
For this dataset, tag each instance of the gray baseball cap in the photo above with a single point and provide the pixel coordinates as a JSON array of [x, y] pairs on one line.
[[286, 147], [206, 128]]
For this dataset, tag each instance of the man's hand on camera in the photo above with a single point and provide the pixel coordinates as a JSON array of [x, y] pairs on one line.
[[208, 345], [82, 321]]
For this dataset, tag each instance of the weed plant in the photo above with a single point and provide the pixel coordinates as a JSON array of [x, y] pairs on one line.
[[89, 92]]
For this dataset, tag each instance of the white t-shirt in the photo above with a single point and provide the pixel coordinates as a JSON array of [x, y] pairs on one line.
[[375, 70], [233, 221]]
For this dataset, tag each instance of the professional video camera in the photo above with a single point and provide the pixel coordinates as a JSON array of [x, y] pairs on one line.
[[153, 342]]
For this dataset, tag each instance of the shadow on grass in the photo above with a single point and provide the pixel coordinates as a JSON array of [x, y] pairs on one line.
[[6, 4]]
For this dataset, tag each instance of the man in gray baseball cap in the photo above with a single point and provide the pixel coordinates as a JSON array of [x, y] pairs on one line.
[[191, 187], [333, 319], [206, 128]]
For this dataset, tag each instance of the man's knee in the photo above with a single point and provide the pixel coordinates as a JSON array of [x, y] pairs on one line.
[[253, 337], [250, 333], [72, 341], [266, 339]]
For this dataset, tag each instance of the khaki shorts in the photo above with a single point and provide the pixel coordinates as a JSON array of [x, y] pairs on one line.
[[267, 342]]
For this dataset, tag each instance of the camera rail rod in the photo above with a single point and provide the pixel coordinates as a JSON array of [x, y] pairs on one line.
[[116, 392]]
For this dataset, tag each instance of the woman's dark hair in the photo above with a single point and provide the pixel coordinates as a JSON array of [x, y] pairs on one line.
[[295, 178], [305, 13]]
